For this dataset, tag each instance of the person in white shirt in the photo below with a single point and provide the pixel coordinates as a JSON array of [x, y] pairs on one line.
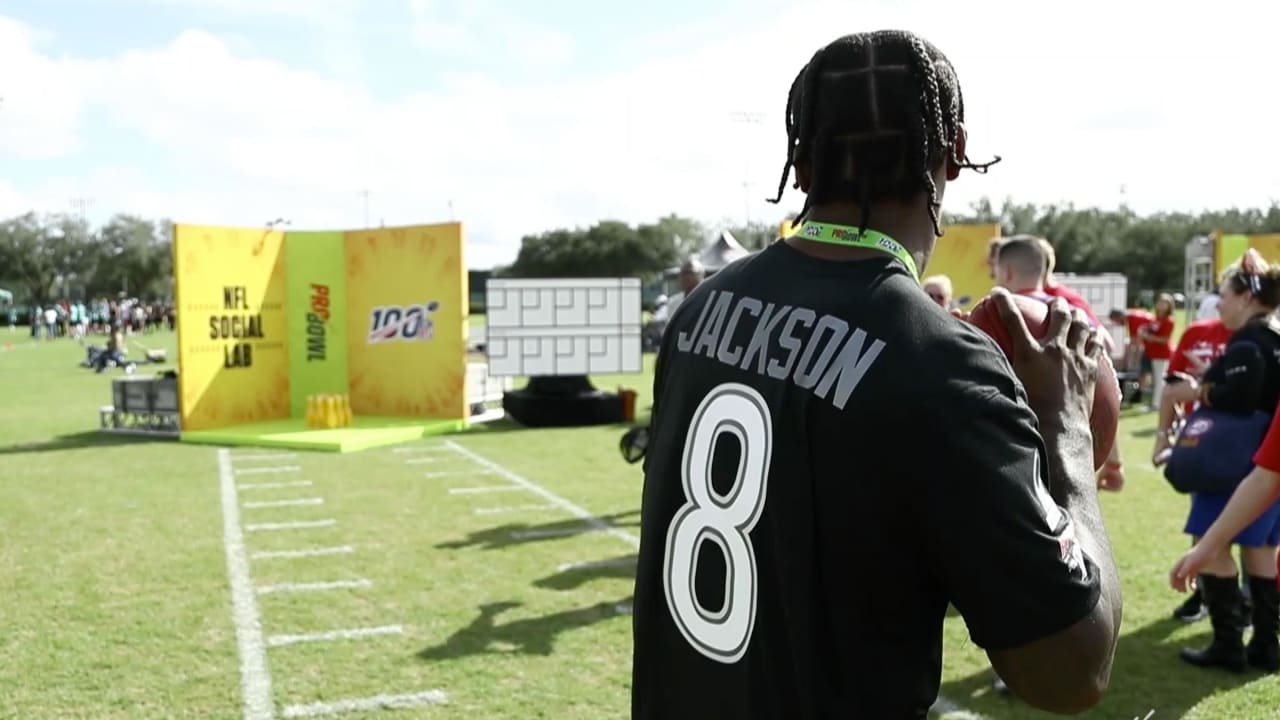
[[1208, 309], [691, 274]]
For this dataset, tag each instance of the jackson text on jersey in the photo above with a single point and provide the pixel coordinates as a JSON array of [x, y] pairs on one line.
[[830, 355]]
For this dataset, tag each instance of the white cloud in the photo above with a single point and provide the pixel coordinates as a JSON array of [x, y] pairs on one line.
[[1110, 97]]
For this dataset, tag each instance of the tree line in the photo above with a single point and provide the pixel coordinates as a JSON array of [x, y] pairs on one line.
[[44, 256]]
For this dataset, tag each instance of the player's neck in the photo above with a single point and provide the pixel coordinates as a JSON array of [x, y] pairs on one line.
[[910, 226]]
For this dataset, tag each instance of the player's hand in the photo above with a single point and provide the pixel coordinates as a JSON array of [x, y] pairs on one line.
[[1183, 575], [1059, 371], [960, 313], [1111, 477]]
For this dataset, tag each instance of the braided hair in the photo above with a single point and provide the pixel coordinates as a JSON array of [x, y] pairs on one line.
[[871, 115]]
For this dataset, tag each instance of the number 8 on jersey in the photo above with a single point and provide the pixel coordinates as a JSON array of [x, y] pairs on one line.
[[723, 520]]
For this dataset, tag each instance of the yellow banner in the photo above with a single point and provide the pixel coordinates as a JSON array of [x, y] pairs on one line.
[[230, 292], [406, 321], [1267, 245], [961, 254]]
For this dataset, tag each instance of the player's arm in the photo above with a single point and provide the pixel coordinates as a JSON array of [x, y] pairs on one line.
[[1020, 545], [1243, 374]]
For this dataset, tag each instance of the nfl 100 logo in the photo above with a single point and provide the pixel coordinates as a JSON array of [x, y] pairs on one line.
[[408, 323]]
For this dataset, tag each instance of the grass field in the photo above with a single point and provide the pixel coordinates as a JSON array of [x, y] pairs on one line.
[[460, 565]]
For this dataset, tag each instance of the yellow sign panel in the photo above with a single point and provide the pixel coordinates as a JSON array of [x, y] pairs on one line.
[[406, 295], [961, 254], [230, 292], [1267, 245]]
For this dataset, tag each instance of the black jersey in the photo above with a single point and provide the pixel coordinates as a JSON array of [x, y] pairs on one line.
[[832, 460], [1246, 376]]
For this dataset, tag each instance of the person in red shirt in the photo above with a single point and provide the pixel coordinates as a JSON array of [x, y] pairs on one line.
[[1056, 289], [1022, 264], [1157, 344]]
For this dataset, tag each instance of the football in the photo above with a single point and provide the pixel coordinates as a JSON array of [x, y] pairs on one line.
[[1105, 416]]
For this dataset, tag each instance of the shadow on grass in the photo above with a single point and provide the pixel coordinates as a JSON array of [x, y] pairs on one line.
[[529, 636], [572, 577], [503, 536], [507, 425], [1147, 676], [76, 441]]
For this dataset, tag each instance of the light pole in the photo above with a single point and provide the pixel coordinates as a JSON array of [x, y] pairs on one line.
[[749, 119]]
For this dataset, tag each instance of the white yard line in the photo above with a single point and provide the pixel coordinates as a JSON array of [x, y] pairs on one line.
[[314, 586], [255, 679], [352, 634], [378, 702], [264, 456], [512, 508], [268, 486], [299, 525], [547, 495], [454, 473], [947, 710], [268, 470], [304, 552], [300, 502], [422, 460], [486, 489]]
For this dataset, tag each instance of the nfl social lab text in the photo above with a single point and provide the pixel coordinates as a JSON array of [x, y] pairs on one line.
[[829, 355], [389, 323], [317, 319], [240, 327]]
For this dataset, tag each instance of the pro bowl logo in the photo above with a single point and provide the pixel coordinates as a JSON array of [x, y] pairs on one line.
[[1198, 427], [404, 323]]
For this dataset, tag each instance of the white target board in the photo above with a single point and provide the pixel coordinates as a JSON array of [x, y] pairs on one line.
[[572, 326]]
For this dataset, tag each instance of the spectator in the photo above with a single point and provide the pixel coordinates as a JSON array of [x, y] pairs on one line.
[[1245, 379], [691, 275], [939, 290], [1208, 309]]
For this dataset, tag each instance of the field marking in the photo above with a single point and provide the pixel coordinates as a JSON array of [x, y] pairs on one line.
[[377, 702], [265, 456], [616, 562], [948, 710], [547, 495], [284, 503], [454, 473], [512, 508], [552, 532], [304, 552], [266, 486], [255, 679], [268, 470], [422, 460], [353, 634], [623, 609], [486, 489], [299, 525], [314, 586]]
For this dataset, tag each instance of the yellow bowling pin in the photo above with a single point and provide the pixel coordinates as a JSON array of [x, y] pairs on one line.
[[311, 411], [331, 418]]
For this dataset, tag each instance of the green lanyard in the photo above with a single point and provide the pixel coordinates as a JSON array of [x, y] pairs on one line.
[[852, 236]]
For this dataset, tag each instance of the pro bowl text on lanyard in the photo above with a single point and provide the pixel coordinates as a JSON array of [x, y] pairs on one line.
[[853, 237]]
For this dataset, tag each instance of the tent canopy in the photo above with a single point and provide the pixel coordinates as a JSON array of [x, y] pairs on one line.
[[6, 296], [719, 253]]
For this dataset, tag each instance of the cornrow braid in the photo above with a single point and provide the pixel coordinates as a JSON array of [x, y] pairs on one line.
[[871, 116]]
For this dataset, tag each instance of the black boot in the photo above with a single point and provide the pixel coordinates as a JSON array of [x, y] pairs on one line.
[[1264, 647], [1222, 597]]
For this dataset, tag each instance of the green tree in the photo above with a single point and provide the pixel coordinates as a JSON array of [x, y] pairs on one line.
[[46, 256], [137, 258]]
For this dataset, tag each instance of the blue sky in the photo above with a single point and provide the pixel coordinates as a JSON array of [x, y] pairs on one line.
[[519, 116]]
